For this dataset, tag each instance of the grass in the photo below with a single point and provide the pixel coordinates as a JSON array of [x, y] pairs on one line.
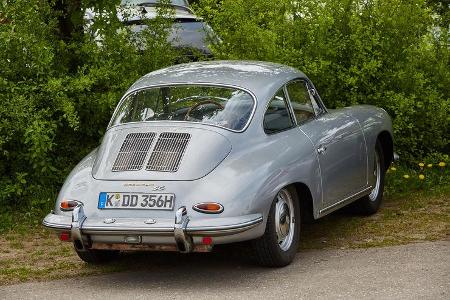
[[421, 216], [38, 254], [33, 253]]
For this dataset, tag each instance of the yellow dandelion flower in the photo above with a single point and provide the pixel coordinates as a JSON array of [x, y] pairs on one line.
[[406, 176], [442, 164], [421, 177], [430, 165], [421, 165], [394, 169]]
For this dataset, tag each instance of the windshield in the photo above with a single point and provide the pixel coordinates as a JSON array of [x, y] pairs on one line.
[[138, 2], [220, 106]]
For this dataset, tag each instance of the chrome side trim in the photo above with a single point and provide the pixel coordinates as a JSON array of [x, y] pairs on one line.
[[360, 193], [367, 150]]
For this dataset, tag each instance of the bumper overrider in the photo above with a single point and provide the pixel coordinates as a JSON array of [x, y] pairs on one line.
[[181, 234]]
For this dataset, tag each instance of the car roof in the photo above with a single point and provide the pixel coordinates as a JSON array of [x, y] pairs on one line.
[[260, 78]]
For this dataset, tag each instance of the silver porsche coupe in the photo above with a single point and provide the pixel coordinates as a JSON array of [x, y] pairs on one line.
[[211, 153]]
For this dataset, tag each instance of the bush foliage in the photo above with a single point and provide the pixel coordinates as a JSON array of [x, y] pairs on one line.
[[59, 85], [388, 53]]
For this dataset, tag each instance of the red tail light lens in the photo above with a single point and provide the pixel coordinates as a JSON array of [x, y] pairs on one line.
[[64, 236], [68, 205], [207, 240], [208, 207]]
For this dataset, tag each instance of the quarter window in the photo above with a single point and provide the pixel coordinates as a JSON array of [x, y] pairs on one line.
[[300, 101], [277, 117]]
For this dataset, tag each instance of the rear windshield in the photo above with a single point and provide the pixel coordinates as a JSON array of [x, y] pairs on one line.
[[226, 107]]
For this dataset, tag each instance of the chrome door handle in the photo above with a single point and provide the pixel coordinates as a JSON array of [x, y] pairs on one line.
[[321, 149]]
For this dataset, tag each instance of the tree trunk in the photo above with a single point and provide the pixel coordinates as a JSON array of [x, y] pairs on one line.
[[70, 18]]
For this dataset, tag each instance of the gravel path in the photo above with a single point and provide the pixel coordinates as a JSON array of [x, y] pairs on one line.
[[414, 271]]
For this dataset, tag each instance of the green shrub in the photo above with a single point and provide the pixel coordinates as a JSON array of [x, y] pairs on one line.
[[389, 53], [58, 89]]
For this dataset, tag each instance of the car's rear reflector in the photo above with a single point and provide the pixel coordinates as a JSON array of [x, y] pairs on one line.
[[207, 240], [64, 236], [208, 207]]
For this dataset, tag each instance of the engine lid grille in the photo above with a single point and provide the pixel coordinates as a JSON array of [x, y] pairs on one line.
[[168, 152], [133, 151]]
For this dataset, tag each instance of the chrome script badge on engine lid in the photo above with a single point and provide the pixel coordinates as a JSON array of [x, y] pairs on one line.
[[152, 201]]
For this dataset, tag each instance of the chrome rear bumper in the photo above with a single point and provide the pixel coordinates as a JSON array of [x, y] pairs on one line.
[[182, 231]]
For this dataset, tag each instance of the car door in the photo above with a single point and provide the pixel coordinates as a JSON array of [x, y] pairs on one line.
[[338, 140]]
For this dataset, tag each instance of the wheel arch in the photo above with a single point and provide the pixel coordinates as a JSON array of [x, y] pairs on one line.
[[306, 201], [387, 144]]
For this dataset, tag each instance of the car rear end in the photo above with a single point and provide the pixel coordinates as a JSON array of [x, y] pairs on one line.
[[154, 184]]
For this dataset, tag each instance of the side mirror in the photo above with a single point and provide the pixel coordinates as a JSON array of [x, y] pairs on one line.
[[148, 114]]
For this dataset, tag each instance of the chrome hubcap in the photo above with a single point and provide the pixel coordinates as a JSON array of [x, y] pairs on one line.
[[284, 220], [377, 174]]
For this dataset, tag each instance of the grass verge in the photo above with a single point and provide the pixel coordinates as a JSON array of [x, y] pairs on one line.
[[33, 253], [421, 216]]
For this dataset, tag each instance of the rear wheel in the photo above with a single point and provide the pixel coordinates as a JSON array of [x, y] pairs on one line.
[[278, 246], [96, 257], [370, 203]]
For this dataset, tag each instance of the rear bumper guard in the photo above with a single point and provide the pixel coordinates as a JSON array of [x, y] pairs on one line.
[[183, 240], [183, 229], [78, 218]]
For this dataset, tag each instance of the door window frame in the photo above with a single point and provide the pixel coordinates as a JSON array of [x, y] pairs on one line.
[[316, 101]]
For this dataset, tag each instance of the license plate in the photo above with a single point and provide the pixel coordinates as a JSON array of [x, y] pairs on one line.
[[136, 201]]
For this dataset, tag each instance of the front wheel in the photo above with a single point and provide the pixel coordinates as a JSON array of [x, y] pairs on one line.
[[279, 244]]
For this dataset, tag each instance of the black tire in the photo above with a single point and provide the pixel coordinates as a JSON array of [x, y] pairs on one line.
[[97, 257], [267, 249], [369, 205]]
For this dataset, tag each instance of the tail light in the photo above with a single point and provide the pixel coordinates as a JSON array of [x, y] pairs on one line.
[[68, 205], [64, 236], [208, 207], [207, 240]]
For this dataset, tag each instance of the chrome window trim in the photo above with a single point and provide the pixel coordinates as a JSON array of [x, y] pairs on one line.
[[254, 98], [316, 96], [305, 82]]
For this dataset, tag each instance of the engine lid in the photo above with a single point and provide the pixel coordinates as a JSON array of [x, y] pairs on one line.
[[154, 152]]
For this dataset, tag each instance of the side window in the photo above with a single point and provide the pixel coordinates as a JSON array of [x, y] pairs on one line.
[[277, 117], [300, 101]]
